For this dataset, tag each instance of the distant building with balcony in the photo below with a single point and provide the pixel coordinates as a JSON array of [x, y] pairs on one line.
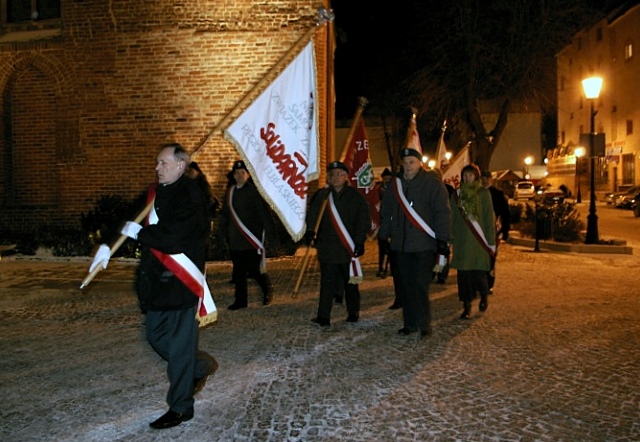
[[610, 49]]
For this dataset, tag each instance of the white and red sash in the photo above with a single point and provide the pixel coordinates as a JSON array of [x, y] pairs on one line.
[[475, 228], [250, 237], [409, 211], [188, 273], [355, 269]]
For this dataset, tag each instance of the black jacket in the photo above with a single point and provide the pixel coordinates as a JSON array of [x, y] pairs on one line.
[[183, 227]]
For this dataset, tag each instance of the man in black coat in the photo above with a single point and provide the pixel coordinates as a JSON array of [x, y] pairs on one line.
[[503, 218], [177, 225], [245, 222], [336, 230]]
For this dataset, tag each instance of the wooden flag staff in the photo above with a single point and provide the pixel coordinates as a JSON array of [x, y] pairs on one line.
[[116, 245]]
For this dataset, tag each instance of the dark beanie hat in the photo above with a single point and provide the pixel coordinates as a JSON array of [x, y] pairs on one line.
[[386, 172], [410, 153], [240, 165], [337, 165]]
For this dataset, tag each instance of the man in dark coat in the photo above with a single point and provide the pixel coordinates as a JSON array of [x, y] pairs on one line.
[[245, 222], [178, 225], [415, 218], [503, 219], [340, 240]]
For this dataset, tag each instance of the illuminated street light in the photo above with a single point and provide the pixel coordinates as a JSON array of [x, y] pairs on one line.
[[432, 164], [579, 152], [425, 159], [528, 162], [591, 87]]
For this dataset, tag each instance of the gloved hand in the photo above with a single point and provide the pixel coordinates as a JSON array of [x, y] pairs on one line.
[[309, 237], [358, 250], [131, 229], [442, 248], [101, 259]]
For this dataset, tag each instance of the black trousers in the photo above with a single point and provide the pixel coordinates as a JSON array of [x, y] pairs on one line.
[[174, 336], [246, 264], [333, 279], [413, 272]]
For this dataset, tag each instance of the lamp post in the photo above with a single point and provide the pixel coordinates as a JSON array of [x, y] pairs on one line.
[[579, 152], [528, 162], [592, 86]]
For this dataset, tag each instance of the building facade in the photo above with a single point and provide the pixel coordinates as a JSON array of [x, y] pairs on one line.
[[609, 49], [91, 89]]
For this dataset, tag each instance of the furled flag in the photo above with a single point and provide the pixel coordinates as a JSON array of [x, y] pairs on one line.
[[453, 174], [358, 160], [441, 151], [277, 136], [413, 138]]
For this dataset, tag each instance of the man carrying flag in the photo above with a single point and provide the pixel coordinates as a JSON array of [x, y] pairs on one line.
[[171, 284]]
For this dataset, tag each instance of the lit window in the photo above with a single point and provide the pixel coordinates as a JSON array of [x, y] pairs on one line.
[[628, 50], [629, 127]]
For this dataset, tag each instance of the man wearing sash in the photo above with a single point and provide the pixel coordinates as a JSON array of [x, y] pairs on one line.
[[415, 218], [170, 279], [340, 239], [245, 221], [474, 239]]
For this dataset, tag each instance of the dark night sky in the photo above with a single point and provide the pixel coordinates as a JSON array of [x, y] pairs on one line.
[[370, 42]]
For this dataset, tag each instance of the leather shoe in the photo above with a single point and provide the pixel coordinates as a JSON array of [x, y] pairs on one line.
[[483, 304], [321, 321], [170, 419], [352, 318], [395, 306], [236, 306], [406, 331]]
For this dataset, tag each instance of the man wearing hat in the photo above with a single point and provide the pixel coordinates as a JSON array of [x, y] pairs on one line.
[[344, 223], [415, 218], [383, 246], [245, 220]]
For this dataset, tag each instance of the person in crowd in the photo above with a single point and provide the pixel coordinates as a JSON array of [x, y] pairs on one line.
[[416, 219], [503, 220], [194, 172], [383, 246], [177, 225], [345, 221], [245, 221], [474, 239], [442, 273]]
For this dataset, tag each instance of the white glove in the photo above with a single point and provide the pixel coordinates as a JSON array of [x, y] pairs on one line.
[[101, 259], [131, 229]]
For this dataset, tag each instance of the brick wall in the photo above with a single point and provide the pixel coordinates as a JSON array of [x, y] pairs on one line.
[[84, 112]]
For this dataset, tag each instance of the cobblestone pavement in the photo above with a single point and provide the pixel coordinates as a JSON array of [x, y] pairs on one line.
[[555, 358]]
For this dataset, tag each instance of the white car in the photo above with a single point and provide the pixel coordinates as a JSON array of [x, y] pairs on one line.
[[524, 190]]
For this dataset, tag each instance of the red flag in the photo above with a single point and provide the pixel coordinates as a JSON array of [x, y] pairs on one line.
[[358, 160]]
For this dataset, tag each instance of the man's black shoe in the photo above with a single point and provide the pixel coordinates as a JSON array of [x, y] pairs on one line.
[[170, 419], [406, 331], [322, 322], [235, 306], [352, 318], [395, 306]]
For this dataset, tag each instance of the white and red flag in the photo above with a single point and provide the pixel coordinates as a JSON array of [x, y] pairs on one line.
[[358, 159], [277, 136], [453, 174], [413, 137], [442, 162]]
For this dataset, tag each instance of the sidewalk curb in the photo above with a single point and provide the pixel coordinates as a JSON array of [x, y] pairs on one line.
[[575, 248]]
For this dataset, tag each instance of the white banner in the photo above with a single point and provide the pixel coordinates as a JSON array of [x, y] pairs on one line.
[[453, 174], [277, 136]]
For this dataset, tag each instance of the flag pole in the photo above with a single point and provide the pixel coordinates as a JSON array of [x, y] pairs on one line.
[[116, 245], [323, 17], [305, 260], [362, 102]]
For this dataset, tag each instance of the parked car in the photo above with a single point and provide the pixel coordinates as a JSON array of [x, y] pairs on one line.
[[524, 190], [623, 201], [552, 195]]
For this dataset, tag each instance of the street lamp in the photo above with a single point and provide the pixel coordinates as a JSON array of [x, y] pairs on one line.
[[528, 162], [579, 153], [592, 86]]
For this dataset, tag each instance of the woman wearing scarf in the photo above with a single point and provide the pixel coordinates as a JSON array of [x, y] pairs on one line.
[[474, 238]]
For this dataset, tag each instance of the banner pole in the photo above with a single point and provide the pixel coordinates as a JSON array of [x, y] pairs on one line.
[[116, 245], [305, 261]]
